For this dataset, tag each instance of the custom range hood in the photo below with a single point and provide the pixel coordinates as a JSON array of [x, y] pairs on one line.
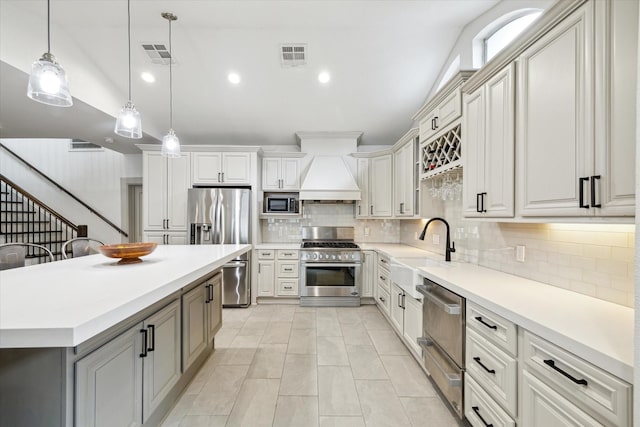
[[330, 176]]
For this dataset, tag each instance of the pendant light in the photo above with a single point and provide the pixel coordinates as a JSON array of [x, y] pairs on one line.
[[128, 123], [170, 142], [48, 81]]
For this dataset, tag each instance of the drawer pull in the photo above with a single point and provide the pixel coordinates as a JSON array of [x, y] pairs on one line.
[[553, 366], [491, 371], [477, 411], [287, 254], [479, 319], [383, 278], [288, 269], [288, 287], [381, 299]]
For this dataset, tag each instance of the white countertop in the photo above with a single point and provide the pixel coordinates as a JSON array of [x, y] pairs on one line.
[[285, 246], [64, 303], [597, 331]]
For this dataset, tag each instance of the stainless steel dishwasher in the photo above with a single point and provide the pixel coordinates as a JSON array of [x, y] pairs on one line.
[[443, 339], [235, 284]]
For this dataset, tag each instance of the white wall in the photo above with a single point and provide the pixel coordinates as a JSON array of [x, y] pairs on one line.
[[92, 176]]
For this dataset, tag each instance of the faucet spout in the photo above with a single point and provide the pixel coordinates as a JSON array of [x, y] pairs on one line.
[[449, 246]]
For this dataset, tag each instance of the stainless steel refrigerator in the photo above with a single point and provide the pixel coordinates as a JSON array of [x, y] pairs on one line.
[[223, 216]]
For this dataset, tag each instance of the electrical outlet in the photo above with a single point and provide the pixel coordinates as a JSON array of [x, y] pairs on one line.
[[520, 253], [436, 239], [366, 231]]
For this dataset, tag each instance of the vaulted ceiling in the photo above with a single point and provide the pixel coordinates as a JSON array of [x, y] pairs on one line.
[[383, 58]]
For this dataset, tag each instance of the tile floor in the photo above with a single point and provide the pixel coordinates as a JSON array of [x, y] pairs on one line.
[[284, 365]]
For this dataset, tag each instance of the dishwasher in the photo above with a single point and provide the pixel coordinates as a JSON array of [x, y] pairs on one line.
[[443, 324]]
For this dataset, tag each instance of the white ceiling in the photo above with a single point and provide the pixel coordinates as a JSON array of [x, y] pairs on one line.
[[383, 57]]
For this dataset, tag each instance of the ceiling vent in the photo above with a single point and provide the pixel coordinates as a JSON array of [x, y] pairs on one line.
[[82, 145], [293, 55], [158, 53]]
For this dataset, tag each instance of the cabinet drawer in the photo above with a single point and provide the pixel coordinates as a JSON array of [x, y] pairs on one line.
[[287, 254], [603, 396], [288, 287], [266, 254], [383, 300], [496, 329], [383, 262], [480, 409], [383, 279], [286, 269], [494, 369]]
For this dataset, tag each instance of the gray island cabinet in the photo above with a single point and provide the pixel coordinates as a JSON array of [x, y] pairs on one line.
[[107, 345]]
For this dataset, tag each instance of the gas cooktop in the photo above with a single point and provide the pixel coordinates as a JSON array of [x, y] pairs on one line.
[[329, 245]]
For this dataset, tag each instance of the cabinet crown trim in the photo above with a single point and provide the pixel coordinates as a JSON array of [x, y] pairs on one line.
[[206, 148], [455, 82]]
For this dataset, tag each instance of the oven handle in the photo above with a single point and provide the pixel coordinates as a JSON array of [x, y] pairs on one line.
[[326, 264], [453, 309]]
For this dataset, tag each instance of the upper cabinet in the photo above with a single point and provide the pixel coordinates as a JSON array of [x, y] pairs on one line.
[[164, 189], [381, 186], [226, 168], [440, 116], [362, 205], [488, 135], [280, 173], [404, 180]]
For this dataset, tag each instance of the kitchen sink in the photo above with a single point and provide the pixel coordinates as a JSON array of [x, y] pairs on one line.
[[405, 273]]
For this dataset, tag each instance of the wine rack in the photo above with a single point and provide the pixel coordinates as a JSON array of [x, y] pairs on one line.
[[442, 153]]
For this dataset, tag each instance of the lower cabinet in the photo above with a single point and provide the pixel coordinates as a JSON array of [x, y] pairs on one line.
[[266, 278], [368, 273], [278, 272], [406, 317], [122, 382], [166, 238]]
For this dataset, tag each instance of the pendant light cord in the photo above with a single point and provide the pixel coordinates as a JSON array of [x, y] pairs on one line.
[[129, 41], [170, 80], [49, 26]]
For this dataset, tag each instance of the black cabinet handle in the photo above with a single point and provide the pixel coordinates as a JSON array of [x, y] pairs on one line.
[[222, 176], [400, 300], [477, 411], [482, 209], [433, 123], [404, 305], [381, 299], [593, 191], [581, 195], [553, 366], [491, 371], [219, 177], [478, 196], [384, 279], [152, 333], [144, 343], [371, 209], [479, 319], [211, 288]]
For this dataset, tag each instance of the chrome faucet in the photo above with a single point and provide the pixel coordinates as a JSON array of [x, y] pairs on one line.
[[448, 250]]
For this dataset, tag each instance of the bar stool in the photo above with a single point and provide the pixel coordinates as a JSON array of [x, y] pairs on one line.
[[80, 246], [13, 255]]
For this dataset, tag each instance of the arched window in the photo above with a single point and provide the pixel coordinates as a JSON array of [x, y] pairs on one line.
[[497, 35]]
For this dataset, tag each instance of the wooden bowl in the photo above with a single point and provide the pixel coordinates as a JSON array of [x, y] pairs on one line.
[[129, 253]]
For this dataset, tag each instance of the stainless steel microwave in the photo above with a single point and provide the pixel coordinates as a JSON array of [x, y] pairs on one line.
[[281, 203]]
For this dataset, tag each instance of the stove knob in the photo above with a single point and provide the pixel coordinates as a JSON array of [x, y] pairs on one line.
[[333, 257], [315, 256], [339, 256]]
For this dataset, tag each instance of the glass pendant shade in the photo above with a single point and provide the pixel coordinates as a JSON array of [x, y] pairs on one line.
[[48, 83], [128, 123], [170, 145]]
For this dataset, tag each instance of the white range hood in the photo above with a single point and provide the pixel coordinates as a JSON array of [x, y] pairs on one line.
[[329, 176]]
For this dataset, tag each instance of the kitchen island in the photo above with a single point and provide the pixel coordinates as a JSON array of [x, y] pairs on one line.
[[82, 337]]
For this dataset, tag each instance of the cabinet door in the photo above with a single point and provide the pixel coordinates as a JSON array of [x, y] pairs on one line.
[[271, 173], [397, 310], [542, 406], [428, 126], [398, 182], [161, 367], [499, 145], [194, 334], [177, 238], [161, 238], [368, 273], [413, 323], [156, 237], [266, 277], [236, 168], [109, 383], [381, 180], [362, 206], [177, 185], [615, 122], [473, 159], [206, 168], [448, 110], [290, 174], [214, 318], [555, 110], [406, 179], [154, 191]]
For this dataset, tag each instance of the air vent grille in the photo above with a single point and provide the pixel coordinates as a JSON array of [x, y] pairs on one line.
[[81, 145], [158, 53], [293, 55]]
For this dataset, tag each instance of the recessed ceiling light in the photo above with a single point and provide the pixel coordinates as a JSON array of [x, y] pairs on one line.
[[234, 78], [324, 77], [148, 77]]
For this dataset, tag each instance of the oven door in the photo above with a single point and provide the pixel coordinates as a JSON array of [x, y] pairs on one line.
[[319, 279]]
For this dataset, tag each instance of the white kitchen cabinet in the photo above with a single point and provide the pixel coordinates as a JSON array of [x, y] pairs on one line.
[[221, 168], [194, 332], [403, 179], [266, 278], [280, 173], [362, 205], [489, 147], [406, 317], [480, 409], [165, 182], [122, 382], [449, 109], [168, 238], [368, 273], [381, 186], [278, 272]]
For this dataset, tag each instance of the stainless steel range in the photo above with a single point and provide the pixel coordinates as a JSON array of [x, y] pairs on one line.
[[330, 267]]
